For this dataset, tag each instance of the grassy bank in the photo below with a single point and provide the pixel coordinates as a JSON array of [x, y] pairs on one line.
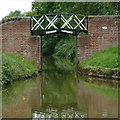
[[102, 64], [14, 67]]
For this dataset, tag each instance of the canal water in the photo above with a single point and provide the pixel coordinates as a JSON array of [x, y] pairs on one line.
[[60, 92]]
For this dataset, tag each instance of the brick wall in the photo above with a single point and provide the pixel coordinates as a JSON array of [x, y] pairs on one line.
[[17, 39], [103, 32]]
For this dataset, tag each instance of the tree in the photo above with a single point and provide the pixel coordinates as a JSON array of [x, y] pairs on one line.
[[14, 14]]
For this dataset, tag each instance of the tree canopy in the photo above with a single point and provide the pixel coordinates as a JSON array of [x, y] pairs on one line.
[[85, 8], [14, 13]]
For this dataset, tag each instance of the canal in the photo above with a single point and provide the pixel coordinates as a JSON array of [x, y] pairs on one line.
[[60, 92]]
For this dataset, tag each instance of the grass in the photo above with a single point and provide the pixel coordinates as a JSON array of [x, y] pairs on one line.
[[103, 62], [14, 67], [104, 59]]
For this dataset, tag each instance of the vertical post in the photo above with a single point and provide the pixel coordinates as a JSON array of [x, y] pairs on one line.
[[87, 24], [77, 62], [77, 80], [30, 23], [40, 54]]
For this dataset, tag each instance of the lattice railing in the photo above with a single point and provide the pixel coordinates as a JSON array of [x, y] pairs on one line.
[[59, 22]]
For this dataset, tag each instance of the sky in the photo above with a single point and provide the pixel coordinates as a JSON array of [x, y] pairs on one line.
[[23, 5], [11, 5]]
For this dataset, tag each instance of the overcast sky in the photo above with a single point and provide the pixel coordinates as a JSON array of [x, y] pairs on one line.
[[24, 5], [10, 5]]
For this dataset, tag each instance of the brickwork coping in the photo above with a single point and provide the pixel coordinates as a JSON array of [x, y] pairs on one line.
[[13, 19], [103, 16]]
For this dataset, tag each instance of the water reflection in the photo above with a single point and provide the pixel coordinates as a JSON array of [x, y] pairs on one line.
[[58, 93], [97, 104]]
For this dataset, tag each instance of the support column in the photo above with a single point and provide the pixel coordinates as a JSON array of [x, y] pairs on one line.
[[40, 54], [77, 62]]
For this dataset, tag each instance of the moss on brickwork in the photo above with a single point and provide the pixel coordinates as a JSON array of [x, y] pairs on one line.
[[100, 72], [14, 67]]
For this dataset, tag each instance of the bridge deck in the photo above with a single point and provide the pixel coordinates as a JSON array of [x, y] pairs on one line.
[[58, 23]]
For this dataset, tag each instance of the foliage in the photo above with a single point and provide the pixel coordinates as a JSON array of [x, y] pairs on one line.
[[85, 8], [59, 45], [49, 43], [14, 67], [82, 34], [14, 13], [29, 13], [60, 64], [66, 47]]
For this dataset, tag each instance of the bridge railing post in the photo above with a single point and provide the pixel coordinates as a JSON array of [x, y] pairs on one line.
[[77, 62], [40, 54], [31, 22]]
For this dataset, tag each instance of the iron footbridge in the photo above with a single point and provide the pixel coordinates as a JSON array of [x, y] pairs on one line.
[[58, 23]]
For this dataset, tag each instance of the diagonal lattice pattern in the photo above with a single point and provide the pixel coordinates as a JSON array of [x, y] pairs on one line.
[[59, 22]]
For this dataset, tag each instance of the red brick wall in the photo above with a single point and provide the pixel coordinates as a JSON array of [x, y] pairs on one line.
[[98, 38], [17, 39]]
